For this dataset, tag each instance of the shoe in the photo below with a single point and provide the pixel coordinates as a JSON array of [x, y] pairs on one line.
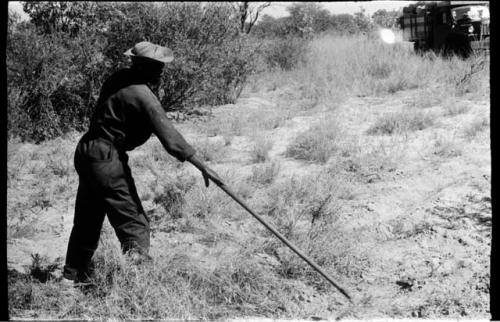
[[68, 286], [77, 277]]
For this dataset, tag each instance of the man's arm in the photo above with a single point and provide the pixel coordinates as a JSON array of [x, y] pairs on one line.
[[173, 141], [170, 138], [208, 174]]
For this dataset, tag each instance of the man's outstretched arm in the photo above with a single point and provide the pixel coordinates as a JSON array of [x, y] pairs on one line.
[[174, 142]]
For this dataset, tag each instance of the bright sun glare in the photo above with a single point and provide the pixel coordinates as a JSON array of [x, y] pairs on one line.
[[387, 36]]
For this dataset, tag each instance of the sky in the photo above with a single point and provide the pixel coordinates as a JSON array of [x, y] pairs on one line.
[[16, 6], [278, 9]]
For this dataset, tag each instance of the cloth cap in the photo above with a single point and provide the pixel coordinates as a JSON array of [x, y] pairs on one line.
[[145, 49]]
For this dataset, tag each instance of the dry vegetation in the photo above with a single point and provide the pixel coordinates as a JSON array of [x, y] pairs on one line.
[[370, 158]]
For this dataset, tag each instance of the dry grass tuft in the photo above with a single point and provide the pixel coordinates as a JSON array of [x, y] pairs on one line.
[[448, 147], [260, 149], [266, 173], [479, 124], [309, 213], [209, 150], [317, 144], [401, 122], [453, 108]]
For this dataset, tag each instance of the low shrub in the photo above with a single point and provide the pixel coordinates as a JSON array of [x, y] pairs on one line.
[[317, 144], [401, 122]]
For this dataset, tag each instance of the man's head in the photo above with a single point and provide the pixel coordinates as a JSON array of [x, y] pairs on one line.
[[150, 69], [150, 59]]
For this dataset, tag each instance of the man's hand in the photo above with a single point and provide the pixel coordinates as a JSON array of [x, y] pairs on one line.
[[208, 174]]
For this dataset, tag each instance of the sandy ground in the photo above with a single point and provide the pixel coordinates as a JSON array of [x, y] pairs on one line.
[[426, 214]]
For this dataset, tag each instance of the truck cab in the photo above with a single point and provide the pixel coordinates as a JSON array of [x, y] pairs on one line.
[[473, 21], [447, 26]]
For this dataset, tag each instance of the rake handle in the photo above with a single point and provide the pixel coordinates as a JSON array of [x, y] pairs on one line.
[[285, 241]]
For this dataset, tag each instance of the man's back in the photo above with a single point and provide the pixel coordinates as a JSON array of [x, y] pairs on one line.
[[128, 112]]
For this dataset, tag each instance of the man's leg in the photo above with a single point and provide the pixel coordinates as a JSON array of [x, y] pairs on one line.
[[108, 188], [84, 238], [125, 211], [89, 207]]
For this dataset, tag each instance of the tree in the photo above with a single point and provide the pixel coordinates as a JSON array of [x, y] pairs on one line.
[[386, 19], [344, 23], [273, 27], [249, 14], [67, 16], [362, 21], [308, 18]]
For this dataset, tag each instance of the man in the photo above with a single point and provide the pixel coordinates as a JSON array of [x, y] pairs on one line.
[[127, 113]]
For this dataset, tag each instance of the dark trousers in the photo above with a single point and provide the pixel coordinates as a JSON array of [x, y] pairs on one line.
[[106, 187]]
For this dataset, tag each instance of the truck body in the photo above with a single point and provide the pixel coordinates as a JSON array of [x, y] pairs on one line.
[[447, 26]]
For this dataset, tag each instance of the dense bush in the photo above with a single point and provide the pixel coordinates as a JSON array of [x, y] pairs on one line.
[[55, 67], [211, 61], [49, 88], [284, 53]]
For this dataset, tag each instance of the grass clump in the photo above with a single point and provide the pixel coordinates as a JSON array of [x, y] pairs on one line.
[[16, 162], [169, 195], [260, 150], [453, 108], [266, 173], [401, 122], [308, 213], [61, 167], [446, 147], [426, 98], [273, 119], [210, 150], [317, 144], [475, 127], [302, 200], [227, 125]]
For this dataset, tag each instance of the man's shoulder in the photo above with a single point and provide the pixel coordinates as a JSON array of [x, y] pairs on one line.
[[137, 88], [138, 92]]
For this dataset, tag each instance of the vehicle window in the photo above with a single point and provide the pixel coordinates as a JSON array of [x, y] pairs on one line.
[[473, 12]]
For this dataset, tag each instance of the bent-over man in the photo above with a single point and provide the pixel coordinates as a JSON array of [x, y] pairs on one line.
[[127, 113]]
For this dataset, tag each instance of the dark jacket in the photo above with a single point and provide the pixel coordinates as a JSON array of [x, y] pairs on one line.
[[128, 112]]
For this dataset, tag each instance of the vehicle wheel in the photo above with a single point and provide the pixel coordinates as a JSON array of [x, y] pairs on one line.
[[458, 44]]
